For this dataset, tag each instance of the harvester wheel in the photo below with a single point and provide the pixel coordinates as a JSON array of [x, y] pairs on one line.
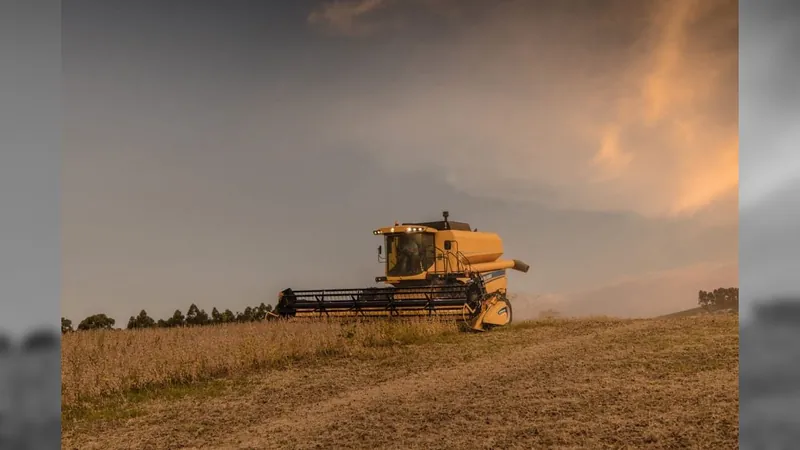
[[503, 298]]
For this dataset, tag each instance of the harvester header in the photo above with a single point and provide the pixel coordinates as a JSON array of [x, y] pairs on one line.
[[430, 268]]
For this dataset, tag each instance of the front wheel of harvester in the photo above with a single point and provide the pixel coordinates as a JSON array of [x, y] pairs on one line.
[[510, 311]]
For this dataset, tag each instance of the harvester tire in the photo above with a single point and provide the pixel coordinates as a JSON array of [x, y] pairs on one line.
[[510, 310]]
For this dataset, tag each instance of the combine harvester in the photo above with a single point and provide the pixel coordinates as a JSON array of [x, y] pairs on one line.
[[438, 268]]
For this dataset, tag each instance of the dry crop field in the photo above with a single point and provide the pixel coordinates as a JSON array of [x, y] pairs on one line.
[[556, 383]]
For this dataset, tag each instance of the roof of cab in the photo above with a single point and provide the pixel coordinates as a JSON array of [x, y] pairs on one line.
[[440, 225]]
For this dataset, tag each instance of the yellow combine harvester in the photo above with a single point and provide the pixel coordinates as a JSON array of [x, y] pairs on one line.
[[432, 268]]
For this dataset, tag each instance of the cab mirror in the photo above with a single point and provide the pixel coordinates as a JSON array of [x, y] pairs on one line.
[[380, 249]]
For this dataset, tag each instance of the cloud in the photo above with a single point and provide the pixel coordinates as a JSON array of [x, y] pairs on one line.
[[676, 87], [365, 18], [595, 111], [349, 18]]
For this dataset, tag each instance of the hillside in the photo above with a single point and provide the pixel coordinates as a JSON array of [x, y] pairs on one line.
[[588, 383], [649, 295]]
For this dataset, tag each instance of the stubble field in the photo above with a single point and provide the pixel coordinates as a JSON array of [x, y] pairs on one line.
[[557, 383]]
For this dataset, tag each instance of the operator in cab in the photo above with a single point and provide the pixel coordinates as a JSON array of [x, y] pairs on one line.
[[409, 251]]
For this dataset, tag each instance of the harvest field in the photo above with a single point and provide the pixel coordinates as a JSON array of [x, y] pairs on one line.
[[556, 383]]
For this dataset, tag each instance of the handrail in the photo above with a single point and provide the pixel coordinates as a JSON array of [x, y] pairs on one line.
[[462, 264]]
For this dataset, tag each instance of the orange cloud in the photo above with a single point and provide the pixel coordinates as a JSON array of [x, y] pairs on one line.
[[676, 86], [611, 157], [524, 105]]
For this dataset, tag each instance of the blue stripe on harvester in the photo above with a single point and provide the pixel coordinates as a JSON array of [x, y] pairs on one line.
[[491, 276]]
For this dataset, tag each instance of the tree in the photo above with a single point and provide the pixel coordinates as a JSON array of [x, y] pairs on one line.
[[228, 316], [262, 311], [247, 316], [141, 321], [727, 297], [66, 326], [720, 298], [97, 322], [216, 317], [202, 318], [177, 319], [191, 314], [196, 316]]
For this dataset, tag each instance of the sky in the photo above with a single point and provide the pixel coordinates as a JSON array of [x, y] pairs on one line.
[[218, 152]]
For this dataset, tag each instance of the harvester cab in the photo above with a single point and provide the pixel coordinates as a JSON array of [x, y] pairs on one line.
[[440, 268]]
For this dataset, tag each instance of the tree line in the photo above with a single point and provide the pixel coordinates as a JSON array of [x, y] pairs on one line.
[[194, 317], [720, 298]]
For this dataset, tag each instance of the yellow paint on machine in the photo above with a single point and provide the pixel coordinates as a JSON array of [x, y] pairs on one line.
[[418, 258]]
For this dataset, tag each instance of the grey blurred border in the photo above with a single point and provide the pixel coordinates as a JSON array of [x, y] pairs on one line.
[[30, 232], [769, 224]]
